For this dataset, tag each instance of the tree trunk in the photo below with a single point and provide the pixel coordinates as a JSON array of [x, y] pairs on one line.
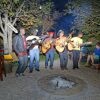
[[10, 40], [6, 50], [5, 40]]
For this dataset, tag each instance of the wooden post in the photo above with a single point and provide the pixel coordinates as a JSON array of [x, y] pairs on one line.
[[2, 69]]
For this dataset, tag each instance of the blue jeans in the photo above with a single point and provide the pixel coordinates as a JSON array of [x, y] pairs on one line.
[[76, 55], [50, 56], [63, 59], [23, 62], [96, 59], [34, 59]]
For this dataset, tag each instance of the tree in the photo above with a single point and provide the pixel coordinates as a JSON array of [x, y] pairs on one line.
[[90, 15], [37, 14], [92, 23], [9, 11], [27, 12]]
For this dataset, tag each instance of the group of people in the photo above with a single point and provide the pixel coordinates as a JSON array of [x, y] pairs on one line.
[[49, 46]]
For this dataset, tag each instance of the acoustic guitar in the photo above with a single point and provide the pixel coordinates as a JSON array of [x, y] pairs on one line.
[[46, 45], [60, 48], [60, 45], [71, 45], [31, 45]]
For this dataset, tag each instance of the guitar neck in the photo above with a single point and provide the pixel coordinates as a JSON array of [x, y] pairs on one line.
[[86, 43]]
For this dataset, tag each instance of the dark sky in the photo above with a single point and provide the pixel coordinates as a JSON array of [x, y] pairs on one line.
[[59, 4]]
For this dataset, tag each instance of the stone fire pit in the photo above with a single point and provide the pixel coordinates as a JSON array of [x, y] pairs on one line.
[[59, 84], [62, 82]]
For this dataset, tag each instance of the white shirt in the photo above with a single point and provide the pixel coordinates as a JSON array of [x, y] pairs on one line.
[[36, 46]]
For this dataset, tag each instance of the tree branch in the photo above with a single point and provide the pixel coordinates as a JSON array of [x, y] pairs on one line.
[[18, 12], [1, 34], [96, 23], [1, 26]]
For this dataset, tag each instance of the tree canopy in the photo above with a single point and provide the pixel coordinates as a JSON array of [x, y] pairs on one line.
[[26, 13], [34, 13]]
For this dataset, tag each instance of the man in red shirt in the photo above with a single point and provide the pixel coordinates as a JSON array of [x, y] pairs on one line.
[[50, 52]]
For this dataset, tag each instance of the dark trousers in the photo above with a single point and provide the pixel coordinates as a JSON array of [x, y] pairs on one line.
[[76, 55], [50, 57], [22, 64], [63, 59]]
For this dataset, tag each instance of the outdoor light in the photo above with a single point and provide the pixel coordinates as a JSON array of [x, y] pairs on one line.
[[40, 7]]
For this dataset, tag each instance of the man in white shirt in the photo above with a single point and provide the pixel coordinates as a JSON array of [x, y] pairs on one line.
[[34, 56]]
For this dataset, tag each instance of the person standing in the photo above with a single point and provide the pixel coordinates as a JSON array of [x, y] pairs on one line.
[[20, 48], [97, 56], [61, 42], [90, 59], [50, 53], [77, 43], [34, 54]]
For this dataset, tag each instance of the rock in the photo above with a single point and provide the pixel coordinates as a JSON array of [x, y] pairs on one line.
[[60, 82]]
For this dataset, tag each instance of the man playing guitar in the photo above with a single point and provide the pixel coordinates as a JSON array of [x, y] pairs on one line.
[[50, 50], [76, 43], [61, 43], [34, 54]]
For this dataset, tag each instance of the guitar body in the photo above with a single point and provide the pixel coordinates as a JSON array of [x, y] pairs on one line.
[[60, 45], [45, 47], [70, 46], [60, 48]]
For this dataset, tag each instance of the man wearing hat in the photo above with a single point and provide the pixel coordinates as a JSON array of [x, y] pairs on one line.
[[62, 42], [50, 52]]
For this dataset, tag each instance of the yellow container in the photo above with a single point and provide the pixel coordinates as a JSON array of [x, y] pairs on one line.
[[8, 57]]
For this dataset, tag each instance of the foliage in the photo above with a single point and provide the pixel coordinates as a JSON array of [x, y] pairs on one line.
[[34, 14], [92, 23], [10, 6], [26, 13], [87, 18], [32, 11]]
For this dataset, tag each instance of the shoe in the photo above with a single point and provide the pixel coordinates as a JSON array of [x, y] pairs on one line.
[[62, 68], [17, 75], [46, 67], [87, 65], [73, 67], [22, 74], [37, 70], [30, 71], [66, 68], [51, 67]]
